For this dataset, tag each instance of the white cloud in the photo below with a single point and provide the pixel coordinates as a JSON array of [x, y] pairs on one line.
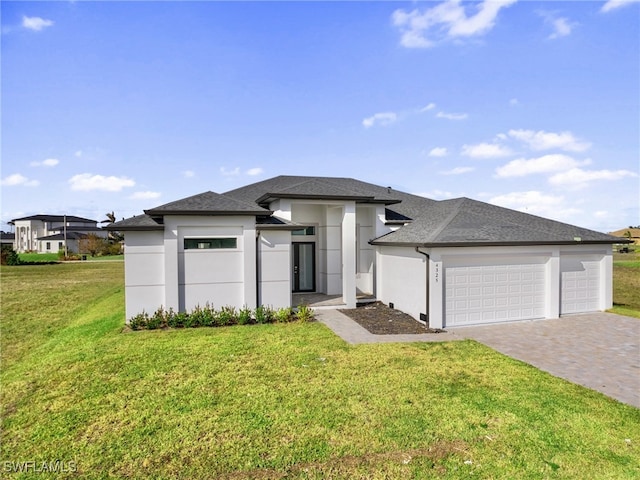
[[542, 140], [144, 195], [547, 163], [426, 108], [458, 171], [229, 173], [614, 4], [383, 118], [536, 203], [485, 150], [88, 182], [49, 162], [514, 102], [255, 171], [561, 27], [78, 153], [188, 173], [35, 23], [448, 19], [577, 178], [452, 116], [17, 179], [438, 152]]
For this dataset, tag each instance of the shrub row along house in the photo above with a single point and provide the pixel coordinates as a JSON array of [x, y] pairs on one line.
[[452, 262], [51, 233]]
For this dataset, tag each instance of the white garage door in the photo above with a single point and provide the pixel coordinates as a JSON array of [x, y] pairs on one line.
[[494, 293], [580, 285]]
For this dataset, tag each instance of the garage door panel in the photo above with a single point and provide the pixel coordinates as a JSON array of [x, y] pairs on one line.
[[513, 291], [580, 285]]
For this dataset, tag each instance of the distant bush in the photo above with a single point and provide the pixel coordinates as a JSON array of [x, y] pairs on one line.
[[209, 316]]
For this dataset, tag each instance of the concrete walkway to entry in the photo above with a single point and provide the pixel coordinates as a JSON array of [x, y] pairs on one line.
[[600, 351]]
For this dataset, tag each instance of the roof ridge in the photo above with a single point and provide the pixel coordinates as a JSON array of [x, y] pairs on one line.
[[450, 217]]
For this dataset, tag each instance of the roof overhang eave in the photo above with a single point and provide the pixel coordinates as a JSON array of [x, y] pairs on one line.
[[208, 213], [491, 243]]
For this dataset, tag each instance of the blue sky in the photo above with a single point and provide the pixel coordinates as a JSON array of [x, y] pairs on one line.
[[128, 105]]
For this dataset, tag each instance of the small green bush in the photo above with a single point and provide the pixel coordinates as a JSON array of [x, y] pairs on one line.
[[264, 314], [283, 315], [304, 314], [244, 316]]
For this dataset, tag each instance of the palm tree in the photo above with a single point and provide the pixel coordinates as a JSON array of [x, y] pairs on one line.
[[114, 236]]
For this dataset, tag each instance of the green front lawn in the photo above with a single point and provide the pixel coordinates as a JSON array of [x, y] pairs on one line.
[[626, 284], [269, 401]]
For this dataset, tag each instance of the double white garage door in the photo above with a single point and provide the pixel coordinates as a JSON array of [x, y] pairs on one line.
[[513, 289]]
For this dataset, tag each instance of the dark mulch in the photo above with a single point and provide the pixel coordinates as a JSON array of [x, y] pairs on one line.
[[379, 319]]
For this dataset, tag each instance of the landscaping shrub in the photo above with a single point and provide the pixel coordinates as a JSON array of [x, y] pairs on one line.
[[304, 314], [208, 316], [10, 256]]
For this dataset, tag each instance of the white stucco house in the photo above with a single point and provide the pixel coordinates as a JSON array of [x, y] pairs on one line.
[[50, 233], [449, 263]]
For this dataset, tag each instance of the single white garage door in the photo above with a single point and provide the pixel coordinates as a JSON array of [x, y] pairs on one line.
[[580, 285], [494, 293]]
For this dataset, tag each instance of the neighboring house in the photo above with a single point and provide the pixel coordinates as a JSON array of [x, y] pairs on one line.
[[453, 262], [48, 233], [7, 238]]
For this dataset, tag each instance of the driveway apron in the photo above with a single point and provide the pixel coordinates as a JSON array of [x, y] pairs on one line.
[[598, 350]]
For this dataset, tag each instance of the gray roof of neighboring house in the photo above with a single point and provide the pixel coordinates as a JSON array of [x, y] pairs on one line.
[[54, 218], [208, 203], [61, 236], [7, 236]]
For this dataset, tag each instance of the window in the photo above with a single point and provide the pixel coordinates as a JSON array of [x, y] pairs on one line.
[[207, 243], [60, 247], [48, 245], [305, 231]]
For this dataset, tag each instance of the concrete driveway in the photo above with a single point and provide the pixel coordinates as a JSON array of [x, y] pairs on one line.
[[600, 351]]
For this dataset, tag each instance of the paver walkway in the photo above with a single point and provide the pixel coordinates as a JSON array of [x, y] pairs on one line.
[[600, 351]]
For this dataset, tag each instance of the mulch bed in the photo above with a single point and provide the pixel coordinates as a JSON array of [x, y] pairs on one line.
[[379, 319]]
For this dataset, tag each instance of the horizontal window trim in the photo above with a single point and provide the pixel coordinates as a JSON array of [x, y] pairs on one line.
[[210, 243]]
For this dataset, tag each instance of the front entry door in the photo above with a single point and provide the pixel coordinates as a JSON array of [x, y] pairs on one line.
[[304, 267]]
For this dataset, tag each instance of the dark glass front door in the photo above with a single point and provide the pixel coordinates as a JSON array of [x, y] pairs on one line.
[[304, 267]]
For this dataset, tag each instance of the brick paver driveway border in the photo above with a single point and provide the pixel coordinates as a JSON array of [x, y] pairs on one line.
[[600, 351]]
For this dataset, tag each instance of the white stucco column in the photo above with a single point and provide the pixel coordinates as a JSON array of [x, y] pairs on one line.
[[553, 285], [606, 281], [436, 290], [249, 268], [349, 254], [171, 279]]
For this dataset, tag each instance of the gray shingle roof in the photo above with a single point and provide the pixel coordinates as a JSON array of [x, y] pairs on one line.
[[139, 222], [208, 203], [55, 218], [457, 222], [463, 221], [286, 186]]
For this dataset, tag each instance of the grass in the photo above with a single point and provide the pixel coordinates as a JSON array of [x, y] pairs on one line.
[[53, 257], [626, 284], [278, 401]]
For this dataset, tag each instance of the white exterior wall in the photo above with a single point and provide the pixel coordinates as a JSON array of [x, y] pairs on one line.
[[275, 268], [401, 273], [143, 272], [220, 277], [401, 279]]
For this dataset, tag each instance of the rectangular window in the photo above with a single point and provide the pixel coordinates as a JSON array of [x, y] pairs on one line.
[[207, 243], [305, 231], [60, 246], [48, 245]]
